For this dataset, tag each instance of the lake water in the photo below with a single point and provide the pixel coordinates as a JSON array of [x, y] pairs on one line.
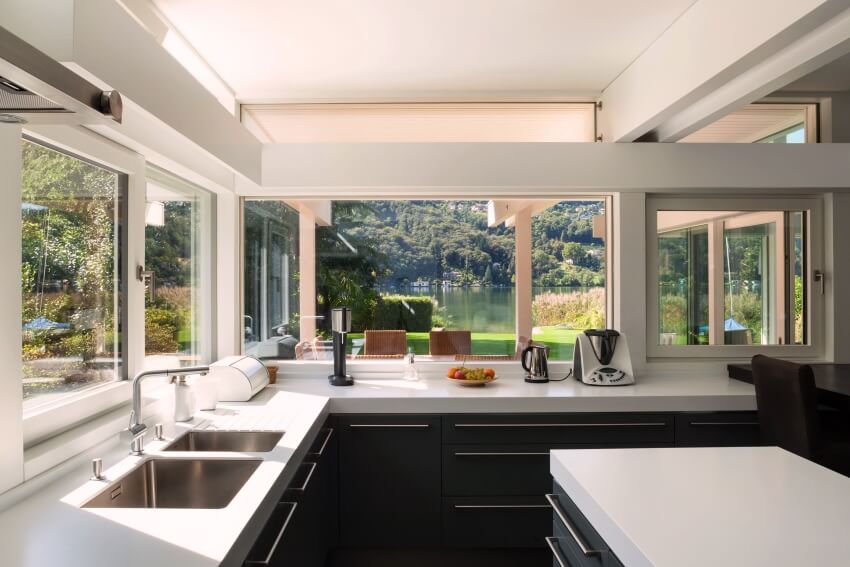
[[483, 309]]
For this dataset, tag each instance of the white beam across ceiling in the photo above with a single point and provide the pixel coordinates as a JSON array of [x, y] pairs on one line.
[[503, 211], [707, 47], [546, 171], [809, 53]]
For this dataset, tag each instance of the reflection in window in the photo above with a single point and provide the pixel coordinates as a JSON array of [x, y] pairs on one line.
[[734, 278], [270, 286], [70, 270], [683, 286], [173, 304]]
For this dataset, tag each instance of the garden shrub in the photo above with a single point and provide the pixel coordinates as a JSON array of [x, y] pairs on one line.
[[80, 343], [576, 310], [413, 314], [161, 330]]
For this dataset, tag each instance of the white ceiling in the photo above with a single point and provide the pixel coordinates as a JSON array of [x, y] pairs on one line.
[[420, 50]]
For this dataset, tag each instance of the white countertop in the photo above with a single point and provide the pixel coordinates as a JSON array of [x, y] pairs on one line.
[[512, 394], [49, 528], [704, 507]]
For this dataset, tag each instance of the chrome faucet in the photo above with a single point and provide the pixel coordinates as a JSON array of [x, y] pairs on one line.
[[137, 429]]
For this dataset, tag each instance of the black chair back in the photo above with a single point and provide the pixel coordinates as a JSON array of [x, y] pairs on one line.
[[787, 404]]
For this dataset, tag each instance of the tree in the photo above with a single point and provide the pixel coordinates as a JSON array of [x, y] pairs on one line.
[[574, 253]]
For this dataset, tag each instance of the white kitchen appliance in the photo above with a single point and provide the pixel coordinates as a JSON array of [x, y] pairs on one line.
[[239, 377], [601, 358]]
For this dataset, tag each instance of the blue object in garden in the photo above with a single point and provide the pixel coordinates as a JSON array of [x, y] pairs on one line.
[[32, 207], [732, 325], [42, 323]]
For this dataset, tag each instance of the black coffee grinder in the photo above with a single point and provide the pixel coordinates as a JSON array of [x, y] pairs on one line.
[[340, 325]]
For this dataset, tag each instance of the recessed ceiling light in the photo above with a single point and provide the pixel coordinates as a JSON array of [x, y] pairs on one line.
[[11, 119]]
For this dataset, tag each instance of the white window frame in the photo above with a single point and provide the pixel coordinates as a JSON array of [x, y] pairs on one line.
[[41, 421], [815, 306]]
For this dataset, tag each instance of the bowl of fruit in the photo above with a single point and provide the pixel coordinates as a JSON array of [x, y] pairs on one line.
[[466, 376]]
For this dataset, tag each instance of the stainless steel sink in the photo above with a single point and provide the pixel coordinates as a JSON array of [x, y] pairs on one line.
[[242, 441], [177, 483]]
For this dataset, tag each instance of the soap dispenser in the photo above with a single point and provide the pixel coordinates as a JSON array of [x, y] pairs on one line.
[[184, 400]]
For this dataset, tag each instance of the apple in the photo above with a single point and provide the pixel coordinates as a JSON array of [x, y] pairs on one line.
[[459, 375]]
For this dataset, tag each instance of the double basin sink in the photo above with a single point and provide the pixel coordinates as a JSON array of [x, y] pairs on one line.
[[189, 482]]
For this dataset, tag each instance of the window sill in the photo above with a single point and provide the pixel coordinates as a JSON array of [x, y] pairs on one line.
[[46, 420]]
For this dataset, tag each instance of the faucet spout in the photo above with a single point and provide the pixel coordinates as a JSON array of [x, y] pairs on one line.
[[137, 427]]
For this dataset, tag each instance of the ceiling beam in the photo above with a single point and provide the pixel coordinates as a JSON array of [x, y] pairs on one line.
[[709, 46], [814, 50]]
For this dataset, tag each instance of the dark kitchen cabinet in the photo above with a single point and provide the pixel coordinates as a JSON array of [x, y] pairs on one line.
[[717, 429], [390, 487]]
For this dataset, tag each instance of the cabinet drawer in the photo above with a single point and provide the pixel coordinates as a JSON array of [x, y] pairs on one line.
[[590, 428], [518, 521], [717, 429], [277, 542], [490, 470]]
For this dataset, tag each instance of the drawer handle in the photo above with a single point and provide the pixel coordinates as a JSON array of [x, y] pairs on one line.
[[556, 552], [634, 424], [390, 425], [501, 454], [585, 549], [303, 487], [498, 506], [722, 423], [562, 561], [324, 444], [267, 561]]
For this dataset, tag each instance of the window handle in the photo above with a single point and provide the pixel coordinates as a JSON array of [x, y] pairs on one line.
[[820, 277], [150, 275]]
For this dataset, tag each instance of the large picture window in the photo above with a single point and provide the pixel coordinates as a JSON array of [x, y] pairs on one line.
[[438, 278], [71, 273]]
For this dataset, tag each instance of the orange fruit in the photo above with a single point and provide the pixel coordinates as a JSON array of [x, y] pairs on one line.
[[489, 372]]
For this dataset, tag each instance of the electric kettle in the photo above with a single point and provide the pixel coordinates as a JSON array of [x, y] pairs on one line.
[[534, 362]]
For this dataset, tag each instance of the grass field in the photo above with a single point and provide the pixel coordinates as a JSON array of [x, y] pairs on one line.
[[560, 341]]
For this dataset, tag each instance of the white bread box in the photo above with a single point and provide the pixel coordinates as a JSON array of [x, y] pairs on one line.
[[239, 377]]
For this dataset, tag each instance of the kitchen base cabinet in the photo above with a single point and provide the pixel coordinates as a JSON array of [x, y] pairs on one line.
[[389, 480]]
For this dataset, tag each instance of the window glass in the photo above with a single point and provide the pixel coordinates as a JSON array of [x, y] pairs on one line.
[[173, 255], [417, 267], [731, 277], [271, 327], [683, 286], [793, 135], [568, 268], [70, 270]]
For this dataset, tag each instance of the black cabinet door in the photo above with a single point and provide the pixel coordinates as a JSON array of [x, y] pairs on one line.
[[389, 480]]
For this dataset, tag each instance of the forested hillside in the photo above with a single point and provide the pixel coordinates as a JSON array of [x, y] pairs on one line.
[[450, 240]]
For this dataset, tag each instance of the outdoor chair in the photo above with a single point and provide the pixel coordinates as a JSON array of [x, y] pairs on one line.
[[381, 343], [441, 343]]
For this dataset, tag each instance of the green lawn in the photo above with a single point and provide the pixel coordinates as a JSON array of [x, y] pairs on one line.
[[560, 341]]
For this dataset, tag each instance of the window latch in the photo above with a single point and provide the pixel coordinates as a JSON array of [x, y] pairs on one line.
[[147, 275], [820, 277]]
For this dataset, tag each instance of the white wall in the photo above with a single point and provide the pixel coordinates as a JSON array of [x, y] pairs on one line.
[[11, 390]]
